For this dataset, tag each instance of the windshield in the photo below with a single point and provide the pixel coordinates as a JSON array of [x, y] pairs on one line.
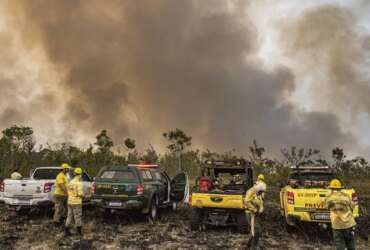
[[46, 174], [125, 175]]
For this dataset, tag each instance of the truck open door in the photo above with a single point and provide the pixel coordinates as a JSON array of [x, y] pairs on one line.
[[180, 188]]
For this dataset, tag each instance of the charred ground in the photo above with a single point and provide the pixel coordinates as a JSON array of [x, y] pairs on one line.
[[35, 231]]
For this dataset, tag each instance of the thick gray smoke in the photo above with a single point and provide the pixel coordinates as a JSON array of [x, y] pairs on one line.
[[143, 67], [326, 39]]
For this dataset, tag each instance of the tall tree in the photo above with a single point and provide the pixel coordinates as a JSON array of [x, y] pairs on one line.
[[150, 155], [132, 153], [178, 141], [256, 152], [300, 156], [130, 143], [20, 141], [20, 137], [104, 142]]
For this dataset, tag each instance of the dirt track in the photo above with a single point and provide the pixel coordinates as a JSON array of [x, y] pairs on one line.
[[35, 231]]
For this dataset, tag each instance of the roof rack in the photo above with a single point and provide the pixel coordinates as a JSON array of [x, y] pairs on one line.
[[310, 167], [229, 163], [144, 165]]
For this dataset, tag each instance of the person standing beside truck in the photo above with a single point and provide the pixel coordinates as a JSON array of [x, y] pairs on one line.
[[60, 195], [341, 215], [253, 209], [75, 195]]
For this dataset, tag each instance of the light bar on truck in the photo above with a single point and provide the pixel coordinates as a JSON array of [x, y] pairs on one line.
[[310, 167], [144, 165]]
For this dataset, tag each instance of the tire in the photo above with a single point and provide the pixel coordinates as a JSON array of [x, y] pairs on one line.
[[242, 223], [107, 213], [48, 211], [153, 210], [196, 219], [22, 210], [290, 229]]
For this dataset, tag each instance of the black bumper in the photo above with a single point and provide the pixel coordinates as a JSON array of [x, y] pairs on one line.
[[119, 205]]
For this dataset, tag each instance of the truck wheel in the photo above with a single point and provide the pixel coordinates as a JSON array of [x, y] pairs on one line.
[[153, 211], [289, 228], [22, 210], [196, 219], [242, 223], [107, 213]]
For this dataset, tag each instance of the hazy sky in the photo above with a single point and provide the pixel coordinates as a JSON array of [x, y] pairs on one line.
[[283, 72]]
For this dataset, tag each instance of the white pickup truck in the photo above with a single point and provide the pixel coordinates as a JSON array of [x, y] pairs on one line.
[[37, 190]]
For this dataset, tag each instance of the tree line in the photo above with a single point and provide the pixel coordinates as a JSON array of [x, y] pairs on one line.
[[19, 151]]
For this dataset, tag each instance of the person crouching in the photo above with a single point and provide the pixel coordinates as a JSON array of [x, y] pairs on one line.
[[253, 209]]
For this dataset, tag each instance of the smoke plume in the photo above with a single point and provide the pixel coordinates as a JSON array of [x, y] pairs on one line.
[[139, 68]]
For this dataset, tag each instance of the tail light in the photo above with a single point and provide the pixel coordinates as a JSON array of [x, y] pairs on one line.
[[2, 186], [354, 198], [93, 188], [290, 198], [190, 200], [48, 186], [139, 190]]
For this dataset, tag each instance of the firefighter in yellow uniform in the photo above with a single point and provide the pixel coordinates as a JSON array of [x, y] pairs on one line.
[[261, 179], [341, 215], [75, 195], [60, 195], [253, 208]]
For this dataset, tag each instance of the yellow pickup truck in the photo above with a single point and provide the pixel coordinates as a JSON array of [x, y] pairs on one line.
[[218, 196], [302, 199]]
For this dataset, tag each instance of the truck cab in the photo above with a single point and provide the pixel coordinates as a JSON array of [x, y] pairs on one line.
[[218, 196], [302, 199]]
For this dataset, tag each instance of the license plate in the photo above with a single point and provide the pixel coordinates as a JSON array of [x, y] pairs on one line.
[[325, 217], [23, 201], [115, 204]]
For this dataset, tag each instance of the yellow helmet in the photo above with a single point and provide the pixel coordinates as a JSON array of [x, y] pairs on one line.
[[65, 166], [261, 177], [78, 171], [335, 184]]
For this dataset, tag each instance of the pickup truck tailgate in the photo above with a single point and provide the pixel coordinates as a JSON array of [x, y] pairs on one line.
[[22, 188], [113, 190], [217, 200], [312, 200]]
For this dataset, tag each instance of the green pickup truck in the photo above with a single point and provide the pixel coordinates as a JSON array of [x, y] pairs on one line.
[[141, 187]]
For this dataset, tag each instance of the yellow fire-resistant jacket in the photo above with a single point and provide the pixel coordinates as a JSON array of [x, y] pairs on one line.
[[253, 202], [60, 180], [341, 210], [75, 191]]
